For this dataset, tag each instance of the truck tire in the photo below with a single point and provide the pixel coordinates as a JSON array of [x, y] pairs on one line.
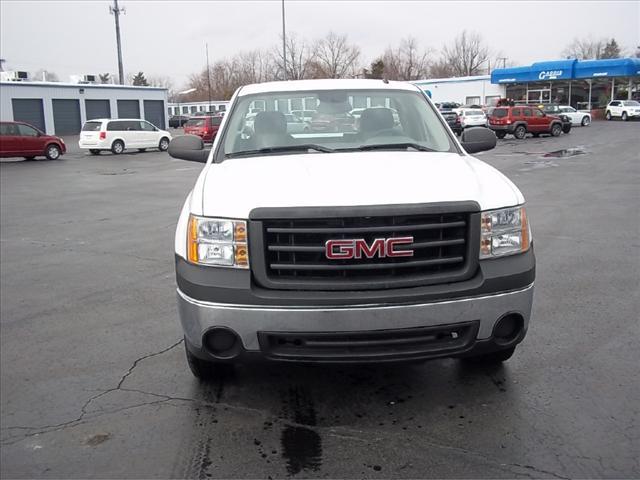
[[494, 357], [608, 115], [556, 130], [163, 146], [520, 132], [566, 128], [117, 147], [624, 116], [586, 121], [204, 370]]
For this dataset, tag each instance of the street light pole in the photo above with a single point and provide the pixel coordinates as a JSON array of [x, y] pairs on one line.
[[208, 78], [284, 44], [116, 13]]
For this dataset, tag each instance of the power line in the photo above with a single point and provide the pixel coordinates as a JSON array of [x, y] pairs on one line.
[[115, 11]]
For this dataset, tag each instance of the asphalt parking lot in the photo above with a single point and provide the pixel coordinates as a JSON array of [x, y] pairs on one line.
[[94, 382]]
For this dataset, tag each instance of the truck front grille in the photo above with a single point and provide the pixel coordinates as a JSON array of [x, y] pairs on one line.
[[292, 250]]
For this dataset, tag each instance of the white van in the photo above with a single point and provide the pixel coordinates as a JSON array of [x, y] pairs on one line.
[[119, 134]]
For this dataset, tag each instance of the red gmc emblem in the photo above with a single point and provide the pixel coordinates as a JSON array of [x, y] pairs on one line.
[[359, 248]]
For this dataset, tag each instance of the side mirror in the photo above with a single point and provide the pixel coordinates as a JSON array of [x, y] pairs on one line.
[[478, 139], [188, 147]]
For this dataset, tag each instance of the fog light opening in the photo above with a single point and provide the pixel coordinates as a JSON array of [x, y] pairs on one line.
[[508, 329], [222, 343]]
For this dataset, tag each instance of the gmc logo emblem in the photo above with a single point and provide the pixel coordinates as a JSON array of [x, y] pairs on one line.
[[359, 248]]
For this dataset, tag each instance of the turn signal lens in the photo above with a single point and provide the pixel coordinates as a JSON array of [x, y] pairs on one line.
[[217, 242]]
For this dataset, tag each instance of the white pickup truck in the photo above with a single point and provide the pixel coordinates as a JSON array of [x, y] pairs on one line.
[[377, 241]]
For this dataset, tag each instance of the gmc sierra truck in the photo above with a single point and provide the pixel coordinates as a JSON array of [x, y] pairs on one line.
[[385, 243]]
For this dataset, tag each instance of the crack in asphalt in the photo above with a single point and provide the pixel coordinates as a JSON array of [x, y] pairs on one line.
[[83, 409]]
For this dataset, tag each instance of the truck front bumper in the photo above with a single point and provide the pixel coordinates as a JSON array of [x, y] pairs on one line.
[[457, 327]]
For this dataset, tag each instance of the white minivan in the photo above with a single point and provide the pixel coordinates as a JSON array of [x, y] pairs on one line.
[[120, 134]]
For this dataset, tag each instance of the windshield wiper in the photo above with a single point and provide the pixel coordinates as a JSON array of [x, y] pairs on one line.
[[283, 148], [393, 146]]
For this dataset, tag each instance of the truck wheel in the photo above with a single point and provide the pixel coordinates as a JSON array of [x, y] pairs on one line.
[[500, 134], [608, 115], [586, 121], [163, 146], [566, 128], [494, 357], [556, 130], [624, 116], [52, 152], [94, 151], [117, 147], [204, 370], [520, 132]]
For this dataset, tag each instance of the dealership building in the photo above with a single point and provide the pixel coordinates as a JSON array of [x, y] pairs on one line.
[[583, 84], [61, 108]]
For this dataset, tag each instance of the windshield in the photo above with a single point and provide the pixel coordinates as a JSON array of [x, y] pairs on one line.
[[632, 103], [195, 123], [473, 113], [394, 119]]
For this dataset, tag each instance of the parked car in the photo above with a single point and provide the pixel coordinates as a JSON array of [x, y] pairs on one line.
[[552, 109], [333, 122], [472, 117], [392, 243], [204, 127], [120, 134], [625, 109], [19, 139], [520, 120], [448, 112], [305, 115], [576, 116], [177, 121], [296, 124]]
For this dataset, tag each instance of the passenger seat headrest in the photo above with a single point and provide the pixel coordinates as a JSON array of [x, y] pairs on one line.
[[270, 123], [375, 119]]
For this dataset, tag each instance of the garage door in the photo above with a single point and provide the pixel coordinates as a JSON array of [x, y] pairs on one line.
[[128, 109], [97, 109], [154, 112], [66, 116], [29, 110]]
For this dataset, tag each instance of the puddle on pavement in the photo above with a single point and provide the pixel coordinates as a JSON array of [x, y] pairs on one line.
[[301, 446], [565, 153]]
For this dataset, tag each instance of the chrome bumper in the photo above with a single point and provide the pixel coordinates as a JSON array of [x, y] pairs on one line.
[[247, 320]]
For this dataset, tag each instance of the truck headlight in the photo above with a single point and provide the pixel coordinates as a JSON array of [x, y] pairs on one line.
[[217, 241], [504, 232]]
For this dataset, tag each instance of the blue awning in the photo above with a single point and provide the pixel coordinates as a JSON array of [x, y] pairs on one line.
[[553, 70], [613, 67], [511, 75]]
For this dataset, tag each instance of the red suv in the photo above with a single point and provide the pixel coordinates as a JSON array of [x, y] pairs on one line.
[[205, 127], [18, 139], [520, 120]]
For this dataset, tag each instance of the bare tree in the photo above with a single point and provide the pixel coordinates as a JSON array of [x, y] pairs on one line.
[[468, 54], [407, 61], [585, 49], [334, 57], [441, 69], [254, 66], [299, 58]]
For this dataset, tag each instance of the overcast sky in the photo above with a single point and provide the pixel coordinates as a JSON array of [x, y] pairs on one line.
[[168, 37]]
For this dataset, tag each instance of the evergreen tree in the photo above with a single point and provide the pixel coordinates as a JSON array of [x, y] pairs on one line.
[[139, 80], [376, 70], [611, 50]]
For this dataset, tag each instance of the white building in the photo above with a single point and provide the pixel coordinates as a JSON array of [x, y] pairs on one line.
[[61, 108], [475, 90], [190, 108]]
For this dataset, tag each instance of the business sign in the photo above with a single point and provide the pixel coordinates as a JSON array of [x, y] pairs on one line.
[[550, 75]]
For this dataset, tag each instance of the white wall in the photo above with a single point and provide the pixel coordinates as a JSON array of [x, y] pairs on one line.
[[48, 91], [458, 89]]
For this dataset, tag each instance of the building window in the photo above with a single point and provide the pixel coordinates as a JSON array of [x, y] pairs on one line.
[[222, 108], [193, 109], [517, 93], [472, 101], [491, 100], [185, 109]]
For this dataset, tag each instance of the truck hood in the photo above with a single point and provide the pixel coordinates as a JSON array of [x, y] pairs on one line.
[[235, 187]]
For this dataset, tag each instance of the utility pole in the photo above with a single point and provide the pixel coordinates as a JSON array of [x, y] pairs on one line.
[[208, 77], [115, 11], [284, 44], [504, 61]]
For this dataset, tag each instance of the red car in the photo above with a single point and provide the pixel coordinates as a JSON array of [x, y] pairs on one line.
[[18, 139], [522, 119], [205, 127]]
